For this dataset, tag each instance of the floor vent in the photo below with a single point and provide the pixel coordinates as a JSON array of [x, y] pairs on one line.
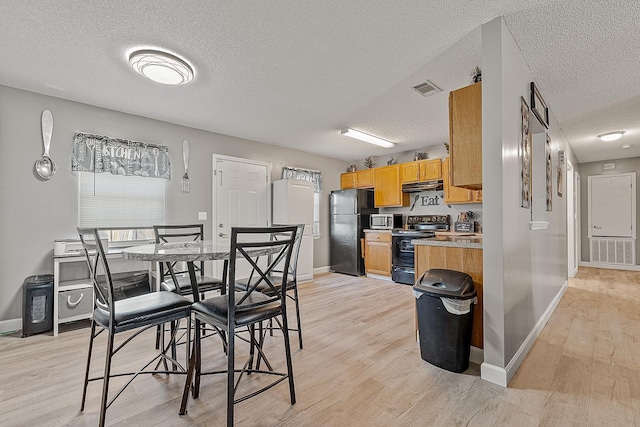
[[613, 250]]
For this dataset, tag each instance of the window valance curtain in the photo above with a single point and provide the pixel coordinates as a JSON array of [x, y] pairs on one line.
[[96, 153], [315, 177]]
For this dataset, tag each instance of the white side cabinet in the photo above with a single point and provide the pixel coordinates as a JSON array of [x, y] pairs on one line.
[[72, 288], [72, 299]]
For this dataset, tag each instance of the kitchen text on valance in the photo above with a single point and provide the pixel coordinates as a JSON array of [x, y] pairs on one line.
[[96, 153]]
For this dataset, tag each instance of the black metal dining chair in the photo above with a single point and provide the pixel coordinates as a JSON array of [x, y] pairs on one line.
[[292, 282], [169, 274], [242, 310], [115, 316]]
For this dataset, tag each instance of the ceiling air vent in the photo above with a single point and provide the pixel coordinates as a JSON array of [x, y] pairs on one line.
[[427, 88]]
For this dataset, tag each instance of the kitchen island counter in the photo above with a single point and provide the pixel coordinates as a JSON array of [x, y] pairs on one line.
[[451, 241]]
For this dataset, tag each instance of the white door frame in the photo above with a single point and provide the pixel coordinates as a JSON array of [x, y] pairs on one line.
[[573, 230], [578, 213], [570, 222]]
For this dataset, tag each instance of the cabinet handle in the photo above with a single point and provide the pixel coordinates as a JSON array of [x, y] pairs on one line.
[[74, 304]]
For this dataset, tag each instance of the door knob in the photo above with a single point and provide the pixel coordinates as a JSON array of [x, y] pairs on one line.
[[223, 235], [597, 228]]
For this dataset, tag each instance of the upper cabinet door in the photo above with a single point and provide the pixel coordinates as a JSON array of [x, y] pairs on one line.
[[388, 189], [465, 136], [410, 172], [348, 180], [457, 195], [430, 170], [364, 178]]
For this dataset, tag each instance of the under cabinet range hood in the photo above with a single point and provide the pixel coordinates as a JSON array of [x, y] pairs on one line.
[[417, 187]]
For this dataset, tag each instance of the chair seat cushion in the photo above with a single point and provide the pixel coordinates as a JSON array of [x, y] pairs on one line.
[[243, 284], [256, 308], [153, 308], [205, 284]]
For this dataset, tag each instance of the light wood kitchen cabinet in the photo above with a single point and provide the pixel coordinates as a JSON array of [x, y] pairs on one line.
[[409, 172], [457, 195], [347, 180], [388, 187], [420, 171], [358, 179], [364, 178], [465, 136], [377, 258], [430, 170], [460, 259]]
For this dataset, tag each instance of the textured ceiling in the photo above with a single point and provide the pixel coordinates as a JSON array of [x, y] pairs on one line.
[[293, 73]]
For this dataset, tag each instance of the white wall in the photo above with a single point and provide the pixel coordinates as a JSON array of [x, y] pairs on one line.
[[34, 213], [524, 270]]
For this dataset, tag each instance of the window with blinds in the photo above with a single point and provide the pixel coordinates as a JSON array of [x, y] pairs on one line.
[[106, 200]]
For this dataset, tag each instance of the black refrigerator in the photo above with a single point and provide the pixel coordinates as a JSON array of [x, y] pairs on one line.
[[349, 216]]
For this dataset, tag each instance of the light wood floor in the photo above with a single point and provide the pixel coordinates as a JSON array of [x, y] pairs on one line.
[[361, 367]]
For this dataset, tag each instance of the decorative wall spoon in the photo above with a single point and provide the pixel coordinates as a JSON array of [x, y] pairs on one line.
[[45, 166]]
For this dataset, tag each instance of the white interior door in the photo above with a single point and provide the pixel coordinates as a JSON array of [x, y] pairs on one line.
[[241, 196], [612, 205]]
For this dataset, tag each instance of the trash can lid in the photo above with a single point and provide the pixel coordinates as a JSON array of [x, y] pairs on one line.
[[446, 283], [39, 279]]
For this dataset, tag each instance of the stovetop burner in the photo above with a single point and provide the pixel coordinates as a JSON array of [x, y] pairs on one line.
[[428, 222]]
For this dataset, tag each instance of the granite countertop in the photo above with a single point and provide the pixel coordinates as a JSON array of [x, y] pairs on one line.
[[470, 242], [376, 230]]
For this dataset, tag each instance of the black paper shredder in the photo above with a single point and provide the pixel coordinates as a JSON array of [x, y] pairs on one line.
[[37, 309]]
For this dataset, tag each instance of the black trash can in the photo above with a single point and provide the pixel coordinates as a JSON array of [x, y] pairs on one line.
[[444, 303], [37, 304]]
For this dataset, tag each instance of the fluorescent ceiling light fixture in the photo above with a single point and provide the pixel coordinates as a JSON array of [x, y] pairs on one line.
[[366, 137], [161, 67], [611, 136]]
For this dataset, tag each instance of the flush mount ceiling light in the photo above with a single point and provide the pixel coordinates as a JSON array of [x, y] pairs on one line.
[[366, 137], [611, 136], [161, 67], [625, 146]]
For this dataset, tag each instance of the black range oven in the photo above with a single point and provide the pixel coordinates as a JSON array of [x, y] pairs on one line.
[[418, 227]]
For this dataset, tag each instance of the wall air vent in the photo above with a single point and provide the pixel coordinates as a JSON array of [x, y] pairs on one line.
[[427, 88]]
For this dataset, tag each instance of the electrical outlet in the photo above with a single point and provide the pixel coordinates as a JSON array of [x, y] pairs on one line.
[[202, 216]]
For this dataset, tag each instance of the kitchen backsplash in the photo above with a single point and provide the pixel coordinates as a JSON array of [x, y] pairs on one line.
[[432, 203]]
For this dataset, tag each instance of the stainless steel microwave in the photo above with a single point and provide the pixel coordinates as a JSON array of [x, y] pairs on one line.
[[385, 221]]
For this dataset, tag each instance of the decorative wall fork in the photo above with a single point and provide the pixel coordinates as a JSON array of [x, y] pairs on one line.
[[185, 157]]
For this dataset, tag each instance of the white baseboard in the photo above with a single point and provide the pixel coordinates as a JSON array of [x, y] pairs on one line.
[[321, 270], [10, 325], [493, 374], [610, 266], [502, 376]]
